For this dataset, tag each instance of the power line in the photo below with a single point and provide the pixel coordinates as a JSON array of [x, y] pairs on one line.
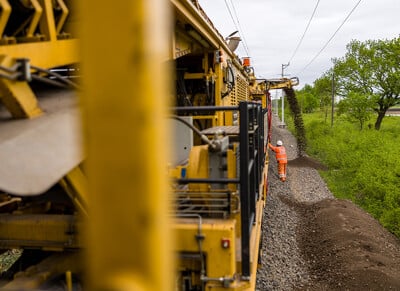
[[329, 40], [305, 31], [237, 25], [241, 31]]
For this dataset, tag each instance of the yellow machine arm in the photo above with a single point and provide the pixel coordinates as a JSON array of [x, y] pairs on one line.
[[281, 83]]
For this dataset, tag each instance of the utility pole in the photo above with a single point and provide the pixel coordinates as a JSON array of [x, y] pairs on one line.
[[333, 97], [284, 66]]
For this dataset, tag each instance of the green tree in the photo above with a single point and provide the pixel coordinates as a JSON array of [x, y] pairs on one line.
[[357, 108], [323, 89], [307, 99], [371, 68]]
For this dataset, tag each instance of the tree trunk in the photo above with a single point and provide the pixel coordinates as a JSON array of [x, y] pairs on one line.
[[326, 114], [381, 115]]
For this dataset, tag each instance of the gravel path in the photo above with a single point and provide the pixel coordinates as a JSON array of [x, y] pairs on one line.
[[312, 241], [283, 267]]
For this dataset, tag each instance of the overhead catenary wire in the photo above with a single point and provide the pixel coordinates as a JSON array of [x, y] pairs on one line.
[[329, 40], [241, 31], [237, 25], [304, 33]]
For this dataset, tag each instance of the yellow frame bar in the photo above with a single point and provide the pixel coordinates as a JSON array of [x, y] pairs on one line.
[[45, 54], [75, 184], [63, 16], [47, 23], [128, 230], [35, 19], [4, 15], [17, 96]]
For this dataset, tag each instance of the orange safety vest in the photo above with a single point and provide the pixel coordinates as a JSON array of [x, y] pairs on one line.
[[280, 153]]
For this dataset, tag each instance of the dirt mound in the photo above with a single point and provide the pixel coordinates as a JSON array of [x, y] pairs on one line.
[[337, 245], [347, 249], [305, 161]]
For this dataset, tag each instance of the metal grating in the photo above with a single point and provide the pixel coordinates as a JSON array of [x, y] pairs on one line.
[[206, 204], [240, 91]]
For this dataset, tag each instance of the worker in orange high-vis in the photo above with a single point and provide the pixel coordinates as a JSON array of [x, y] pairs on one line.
[[281, 158]]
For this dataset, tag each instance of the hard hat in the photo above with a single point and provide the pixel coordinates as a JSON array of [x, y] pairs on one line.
[[279, 143]]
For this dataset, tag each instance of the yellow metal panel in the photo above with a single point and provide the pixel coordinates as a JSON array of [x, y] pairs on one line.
[[198, 167], [45, 54], [51, 232], [232, 170], [218, 90], [191, 76], [124, 97], [199, 23], [255, 243], [223, 259]]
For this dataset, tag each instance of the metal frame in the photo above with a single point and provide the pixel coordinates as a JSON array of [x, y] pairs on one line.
[[128, 233], [252, 162], [50, 48]]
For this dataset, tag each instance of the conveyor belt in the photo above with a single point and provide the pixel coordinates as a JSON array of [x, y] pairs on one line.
[[36, 153]]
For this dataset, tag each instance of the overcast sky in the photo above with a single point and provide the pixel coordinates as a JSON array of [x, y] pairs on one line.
[[272, 29]]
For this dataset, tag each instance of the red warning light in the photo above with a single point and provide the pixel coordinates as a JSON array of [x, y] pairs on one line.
[[225, 243]]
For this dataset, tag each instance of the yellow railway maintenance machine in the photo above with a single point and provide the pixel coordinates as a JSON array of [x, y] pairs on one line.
[[217, 173], [42, 187], [219, 167]]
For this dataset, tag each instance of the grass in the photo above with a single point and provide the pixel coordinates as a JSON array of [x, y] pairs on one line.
[[364, 166]]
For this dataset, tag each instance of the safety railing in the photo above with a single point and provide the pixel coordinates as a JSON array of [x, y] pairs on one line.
[[251, 165]]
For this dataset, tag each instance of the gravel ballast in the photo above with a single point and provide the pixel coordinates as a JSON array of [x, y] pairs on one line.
[[312, 241]]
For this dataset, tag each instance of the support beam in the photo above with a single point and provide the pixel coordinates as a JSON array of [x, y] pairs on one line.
[[17, 96], [4, 15], [125, 95], [42, 231]]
